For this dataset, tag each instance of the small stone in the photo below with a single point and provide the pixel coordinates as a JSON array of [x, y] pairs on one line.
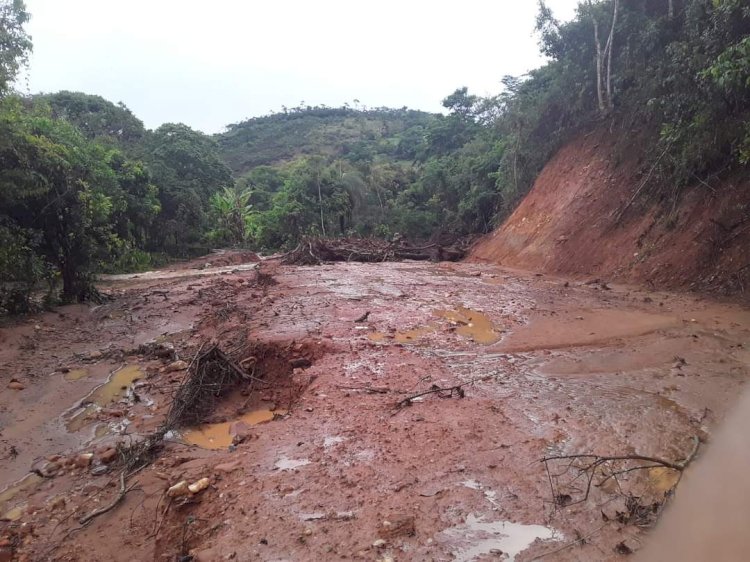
[[100, 469], [380, 543], [95, 355], [108, 456], [308, 532], [300, 363], [84, 460], [176, 366], [45, 468], [15, 385], [179, 489], [199, 485]]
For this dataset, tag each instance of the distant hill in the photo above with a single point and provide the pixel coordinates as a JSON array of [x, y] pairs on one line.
[[324, 131]]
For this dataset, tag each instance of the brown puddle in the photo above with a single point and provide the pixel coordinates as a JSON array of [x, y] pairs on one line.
[[76, 374], [221, 435], [471, 324], [584, 327], [410, 336], [114, 389], [27, 483]]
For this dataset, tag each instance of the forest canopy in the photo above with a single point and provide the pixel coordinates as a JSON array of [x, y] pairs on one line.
[[86, 188]]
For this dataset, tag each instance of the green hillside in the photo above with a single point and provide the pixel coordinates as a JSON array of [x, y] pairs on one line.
[[321, 131]]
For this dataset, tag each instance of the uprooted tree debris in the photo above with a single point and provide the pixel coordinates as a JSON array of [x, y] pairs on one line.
[[211, 374], [314, 251]]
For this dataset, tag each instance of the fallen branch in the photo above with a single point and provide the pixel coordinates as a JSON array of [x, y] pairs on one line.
[[592, 463], [434, 389], [101, 511]]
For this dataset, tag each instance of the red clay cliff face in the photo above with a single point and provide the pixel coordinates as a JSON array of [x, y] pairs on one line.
[[568, 224]]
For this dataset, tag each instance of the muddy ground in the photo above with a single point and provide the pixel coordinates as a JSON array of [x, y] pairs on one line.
[[346, 465]]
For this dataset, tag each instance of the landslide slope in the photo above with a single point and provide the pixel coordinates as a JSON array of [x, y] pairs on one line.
[[578, 219]]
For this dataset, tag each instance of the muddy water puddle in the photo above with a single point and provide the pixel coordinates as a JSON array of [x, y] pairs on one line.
[[76, 375], [468, 323], [471, 324], [584, 327], [221, 435], [113, 390], [477, 538], [9, 511]]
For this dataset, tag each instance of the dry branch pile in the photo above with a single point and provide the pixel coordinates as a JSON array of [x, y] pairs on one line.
[[313, 251], [210, 375]]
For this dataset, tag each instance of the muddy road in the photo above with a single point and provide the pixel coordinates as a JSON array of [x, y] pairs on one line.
[[396, 411]]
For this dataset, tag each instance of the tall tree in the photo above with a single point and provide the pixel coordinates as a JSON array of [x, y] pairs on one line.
[[15, 44]]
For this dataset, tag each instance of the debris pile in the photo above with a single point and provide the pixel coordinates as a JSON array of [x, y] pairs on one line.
[[314, 251]]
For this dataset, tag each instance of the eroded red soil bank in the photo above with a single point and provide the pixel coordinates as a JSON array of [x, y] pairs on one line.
[[572, 222]]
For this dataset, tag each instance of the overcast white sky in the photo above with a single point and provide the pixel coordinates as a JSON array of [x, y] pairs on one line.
[[211, 63]]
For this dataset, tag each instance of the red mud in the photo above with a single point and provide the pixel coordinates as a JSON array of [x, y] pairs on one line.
[[577, 368], [568, 225]]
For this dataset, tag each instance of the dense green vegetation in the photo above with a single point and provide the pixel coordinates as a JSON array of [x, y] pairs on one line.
[[85, 188]]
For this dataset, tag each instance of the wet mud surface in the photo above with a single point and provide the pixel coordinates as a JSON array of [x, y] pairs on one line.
[[328, 458]]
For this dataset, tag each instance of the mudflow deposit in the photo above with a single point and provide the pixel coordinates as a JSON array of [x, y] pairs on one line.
[[236, 409]]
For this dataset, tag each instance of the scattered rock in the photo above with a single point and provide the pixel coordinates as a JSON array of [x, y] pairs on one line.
[[83, 460], [199, 485], [402, 526], [95, 355], [45, 468], [179, 489], [99, 469], [300, 363], [108, 456], [176, 366], [16, 385], [380, 543]]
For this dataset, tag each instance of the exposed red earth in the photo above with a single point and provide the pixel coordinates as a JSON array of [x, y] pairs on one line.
[[592, 213], [345, 465]]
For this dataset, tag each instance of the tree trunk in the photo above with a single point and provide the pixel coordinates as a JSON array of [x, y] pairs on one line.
[[599, 93], [671, 9], [609, 49], [320, 203]]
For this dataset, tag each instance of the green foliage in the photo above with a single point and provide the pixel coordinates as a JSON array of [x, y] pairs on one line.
[[81, 196], [97, 118], [187, 168], [231, 209], [21, 268], [316, 131], [15, 44]]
